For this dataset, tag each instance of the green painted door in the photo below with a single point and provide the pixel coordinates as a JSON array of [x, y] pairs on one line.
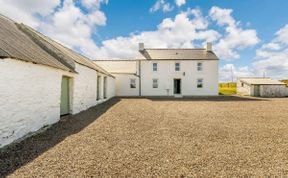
[[256, 90], [64, 104], [105, 87]]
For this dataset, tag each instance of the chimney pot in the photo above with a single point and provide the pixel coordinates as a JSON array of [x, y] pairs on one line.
[[141, 47], [208, 46]]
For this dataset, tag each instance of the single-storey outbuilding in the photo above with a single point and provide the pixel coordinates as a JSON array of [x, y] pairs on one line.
[[40, 80], [264, 87]]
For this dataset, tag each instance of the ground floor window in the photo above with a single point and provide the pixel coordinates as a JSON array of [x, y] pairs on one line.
[[155, 83], [200, 83], [132, 83]]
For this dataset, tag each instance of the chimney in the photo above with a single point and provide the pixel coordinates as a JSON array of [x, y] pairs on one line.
[[141, 47], [208, 46]]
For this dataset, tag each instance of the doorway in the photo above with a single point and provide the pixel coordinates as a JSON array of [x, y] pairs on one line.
[[177, 86], [98, 87], [64, 103], [256, 90]]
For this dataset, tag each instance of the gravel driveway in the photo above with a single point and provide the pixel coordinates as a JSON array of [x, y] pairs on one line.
[[225, 136]]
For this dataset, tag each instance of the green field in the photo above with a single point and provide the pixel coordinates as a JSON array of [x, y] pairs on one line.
[[227, 88]]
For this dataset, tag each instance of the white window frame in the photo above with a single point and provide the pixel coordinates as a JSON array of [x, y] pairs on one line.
[[200, 84], [200, 67], [155, 83], [132, 83], [155, 68], [179, 68]]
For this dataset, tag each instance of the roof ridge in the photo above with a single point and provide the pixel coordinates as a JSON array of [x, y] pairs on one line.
[[175, 48]]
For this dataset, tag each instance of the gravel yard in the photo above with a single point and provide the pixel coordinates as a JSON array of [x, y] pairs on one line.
[[224, 136]]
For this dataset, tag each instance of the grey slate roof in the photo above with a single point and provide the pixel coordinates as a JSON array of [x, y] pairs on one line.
[[35, 43], [15, 44], [261, 81], [177, 54]]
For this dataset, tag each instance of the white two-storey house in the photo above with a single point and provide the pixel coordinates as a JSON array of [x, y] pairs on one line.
[[166, 72]]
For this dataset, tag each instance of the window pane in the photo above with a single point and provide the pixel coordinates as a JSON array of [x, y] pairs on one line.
[[177, 66], [154, 66], [132, 83], [199, 66], [200, 83], [155, 83]]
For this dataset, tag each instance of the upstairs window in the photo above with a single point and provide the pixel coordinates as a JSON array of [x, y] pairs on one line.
[[199, 66], [177, 66], [132, 83], [155, 83], [199, 83], [155, 67]]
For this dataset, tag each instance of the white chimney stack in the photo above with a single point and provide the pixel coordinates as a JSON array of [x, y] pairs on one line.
[[208, 46], [141, 46]]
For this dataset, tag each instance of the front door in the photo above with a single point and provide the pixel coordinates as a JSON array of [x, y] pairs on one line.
[[256, 90], [177, 86], [64, 104]]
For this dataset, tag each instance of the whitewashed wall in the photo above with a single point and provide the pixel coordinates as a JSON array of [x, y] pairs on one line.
[[111, 87], [29, 97], [166, 73], [84, 88], [273, 90], [123, 85], [245, 89]]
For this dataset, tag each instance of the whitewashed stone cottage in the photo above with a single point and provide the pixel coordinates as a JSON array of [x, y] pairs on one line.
[[166, 72], [41, 80], [259, 86]]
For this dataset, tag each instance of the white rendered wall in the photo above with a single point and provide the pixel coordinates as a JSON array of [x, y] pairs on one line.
[[245, 90], [123, 85], [29, 97], [273, 90], [110, 87], [84, 88], [188, 74]]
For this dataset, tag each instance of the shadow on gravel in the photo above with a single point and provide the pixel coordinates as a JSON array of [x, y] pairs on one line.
[[16, 155], [208, 98]]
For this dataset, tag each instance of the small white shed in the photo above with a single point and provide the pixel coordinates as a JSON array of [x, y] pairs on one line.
[[264, 87]]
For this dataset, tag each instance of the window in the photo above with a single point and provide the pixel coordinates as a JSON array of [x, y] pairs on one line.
[[199, 66], [155, 83], [177, 66], [155, 67], [199, 83], [132, 83]]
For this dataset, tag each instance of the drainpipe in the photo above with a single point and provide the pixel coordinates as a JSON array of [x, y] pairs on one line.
[[139, 66]]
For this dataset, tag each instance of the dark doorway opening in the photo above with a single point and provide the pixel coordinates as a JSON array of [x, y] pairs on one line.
[[177, 86]]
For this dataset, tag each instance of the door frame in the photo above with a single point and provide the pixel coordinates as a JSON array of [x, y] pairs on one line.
[[69, 90], [180, 86]]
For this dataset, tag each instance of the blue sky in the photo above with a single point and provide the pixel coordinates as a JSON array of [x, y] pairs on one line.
[[249, 36]]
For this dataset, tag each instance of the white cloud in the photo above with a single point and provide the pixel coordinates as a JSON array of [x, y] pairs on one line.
[[229, 73], [272, 46], [26, 11], [180, 2], [181, 31], [235, 38], [161, 5], [272, 57], [282, 35], [93, 4]]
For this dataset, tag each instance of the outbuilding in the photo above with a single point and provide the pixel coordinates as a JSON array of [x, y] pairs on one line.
[[41, 80], [263, 87]]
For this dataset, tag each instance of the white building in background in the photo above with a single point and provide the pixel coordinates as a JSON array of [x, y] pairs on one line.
[[166, 72], [41, 80], [264, 87]]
